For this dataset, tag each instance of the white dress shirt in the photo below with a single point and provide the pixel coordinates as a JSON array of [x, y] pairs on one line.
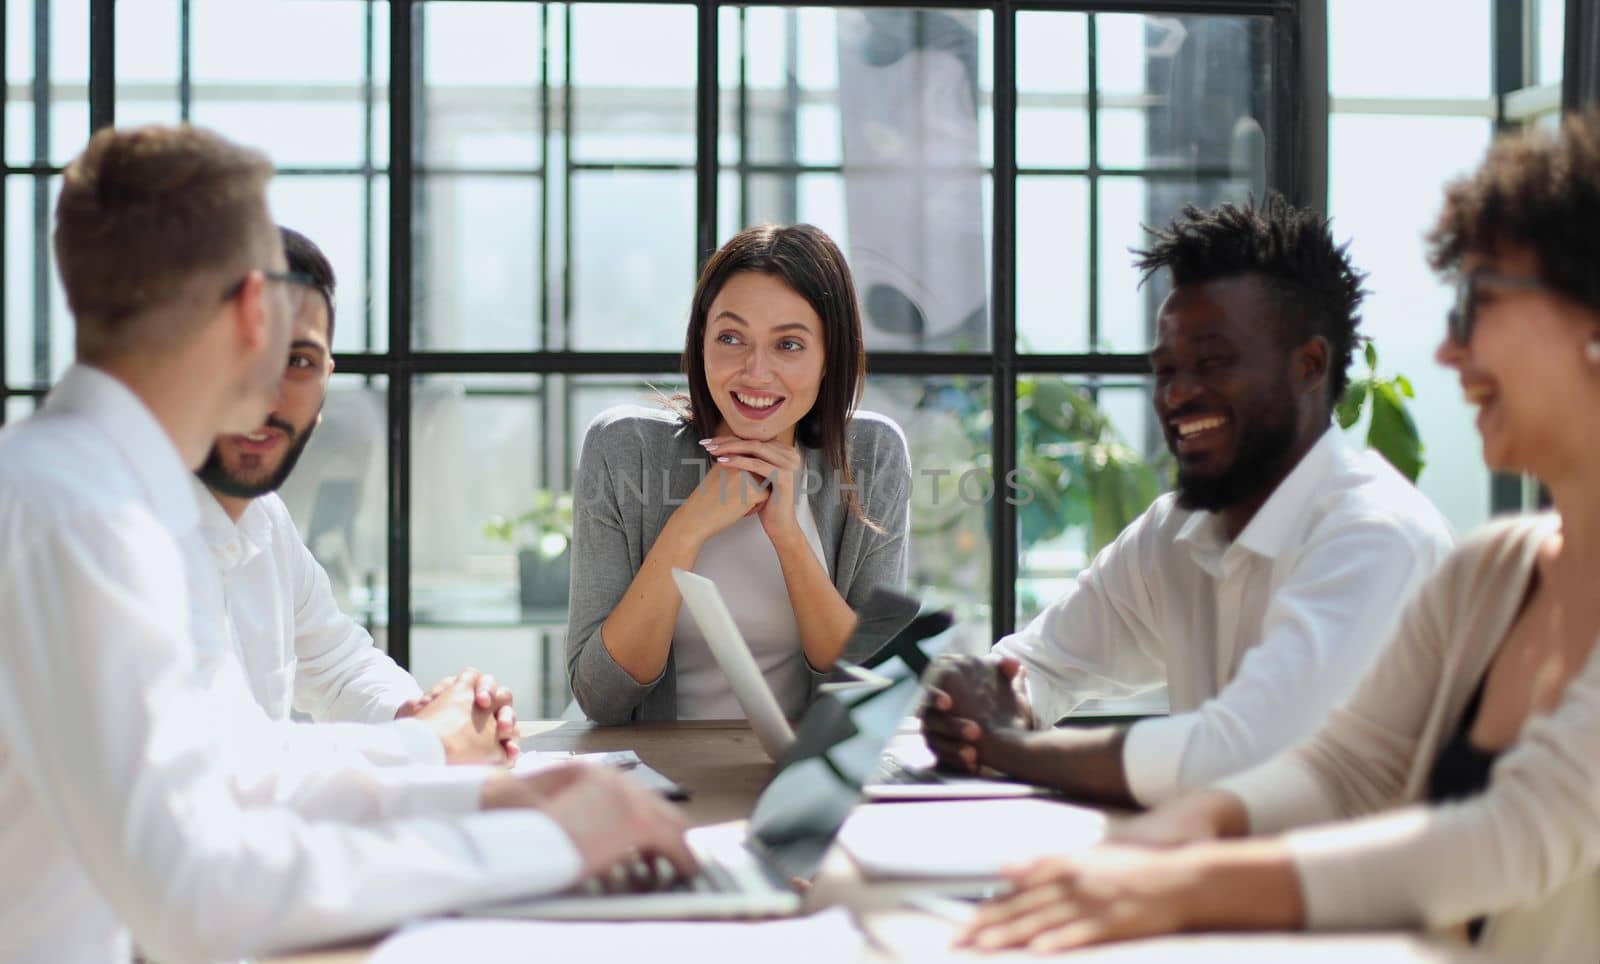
[[137, 800], [1256, 640], [269, 604]]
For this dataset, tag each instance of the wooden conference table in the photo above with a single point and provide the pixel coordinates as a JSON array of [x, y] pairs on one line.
[[723, 766]]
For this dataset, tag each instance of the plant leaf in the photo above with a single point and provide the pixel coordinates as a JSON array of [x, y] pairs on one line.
[[1393, 432], [1349, 410]]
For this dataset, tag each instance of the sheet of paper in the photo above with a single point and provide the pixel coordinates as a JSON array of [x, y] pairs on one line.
[[964, 838], [625, 760], [913, 754], [830, 936]]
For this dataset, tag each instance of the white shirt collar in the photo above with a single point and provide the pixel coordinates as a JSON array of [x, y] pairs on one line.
[[232, 543], [146, 447], [1274, 524]]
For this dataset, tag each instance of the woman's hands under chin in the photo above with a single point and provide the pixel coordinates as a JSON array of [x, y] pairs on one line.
[[724, 496], [779, 466]]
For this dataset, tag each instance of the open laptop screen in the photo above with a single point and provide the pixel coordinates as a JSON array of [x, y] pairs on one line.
[[819, 779]]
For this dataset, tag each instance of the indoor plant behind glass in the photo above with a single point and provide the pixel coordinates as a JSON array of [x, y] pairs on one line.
[[543, 539]]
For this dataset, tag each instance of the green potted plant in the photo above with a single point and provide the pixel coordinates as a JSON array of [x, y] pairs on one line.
[[542, 536]]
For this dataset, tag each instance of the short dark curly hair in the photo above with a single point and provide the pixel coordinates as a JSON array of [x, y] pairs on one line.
[[1292, 247], [1538, 190]]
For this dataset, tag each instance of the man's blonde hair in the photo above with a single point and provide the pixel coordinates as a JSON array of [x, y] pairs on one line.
[[151, 219]]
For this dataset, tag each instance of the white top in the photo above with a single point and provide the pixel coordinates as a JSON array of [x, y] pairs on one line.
[[743, 563], [135, 798], [1524, 852], [1257, 639], [267, 603]]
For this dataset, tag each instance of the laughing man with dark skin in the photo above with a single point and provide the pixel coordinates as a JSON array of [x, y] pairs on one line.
[[1260, 590]]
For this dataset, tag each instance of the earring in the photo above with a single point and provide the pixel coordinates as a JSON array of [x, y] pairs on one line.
[[1591, 351]]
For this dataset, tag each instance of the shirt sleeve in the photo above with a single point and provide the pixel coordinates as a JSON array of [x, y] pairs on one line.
[[339, 673], [1099, 640], [1322, 629], [131, 774]]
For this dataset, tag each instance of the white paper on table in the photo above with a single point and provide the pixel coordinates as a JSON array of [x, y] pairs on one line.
[[531, 760], [964, 838], [829, 936]]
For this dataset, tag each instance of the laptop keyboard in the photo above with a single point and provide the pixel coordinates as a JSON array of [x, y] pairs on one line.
[[891, 770], [640, 877]]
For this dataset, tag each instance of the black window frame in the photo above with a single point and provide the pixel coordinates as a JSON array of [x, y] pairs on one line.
[[1297, 166]]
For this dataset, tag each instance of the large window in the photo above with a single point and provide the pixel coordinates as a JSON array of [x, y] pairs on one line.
[[517, 196], [1397, 135]]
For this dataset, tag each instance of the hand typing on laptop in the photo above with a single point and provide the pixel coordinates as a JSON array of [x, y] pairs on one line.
[[611, 819]]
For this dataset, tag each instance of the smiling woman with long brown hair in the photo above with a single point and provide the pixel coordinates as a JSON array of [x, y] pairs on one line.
[[1460, 786], [766, 479]]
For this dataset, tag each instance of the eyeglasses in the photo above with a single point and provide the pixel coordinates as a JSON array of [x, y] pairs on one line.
[[297, 278], [1463, 314]]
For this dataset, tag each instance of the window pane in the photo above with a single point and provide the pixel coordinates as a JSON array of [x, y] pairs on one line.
[[39, 330], [1374, 48], [1090, 460], [333, 211], [148, 57], [947, 426], [18, 409], [1052, 90], [297, 93], [1185, 93], [898, 99], [481, 101], [338, 494], [483, 446], [1551, 39], [529, 659], [1052, 264], [478, 450], [61, 68], [477, 271], [633, 83], [1385, 209], [633, 264]]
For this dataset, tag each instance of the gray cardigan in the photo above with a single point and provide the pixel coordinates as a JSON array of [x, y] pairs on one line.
[[638, 465]]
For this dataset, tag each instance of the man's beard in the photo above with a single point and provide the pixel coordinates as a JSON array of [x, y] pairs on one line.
[[217, 477], [1259, 462]]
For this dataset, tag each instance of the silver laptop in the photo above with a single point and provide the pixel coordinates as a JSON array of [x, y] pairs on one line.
[[906, 772], [746, 872]]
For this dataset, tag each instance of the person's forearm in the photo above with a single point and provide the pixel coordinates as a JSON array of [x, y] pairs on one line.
[[1242, 885], [1082, 762], [1223, 812], [825, 620], [638, 633]]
